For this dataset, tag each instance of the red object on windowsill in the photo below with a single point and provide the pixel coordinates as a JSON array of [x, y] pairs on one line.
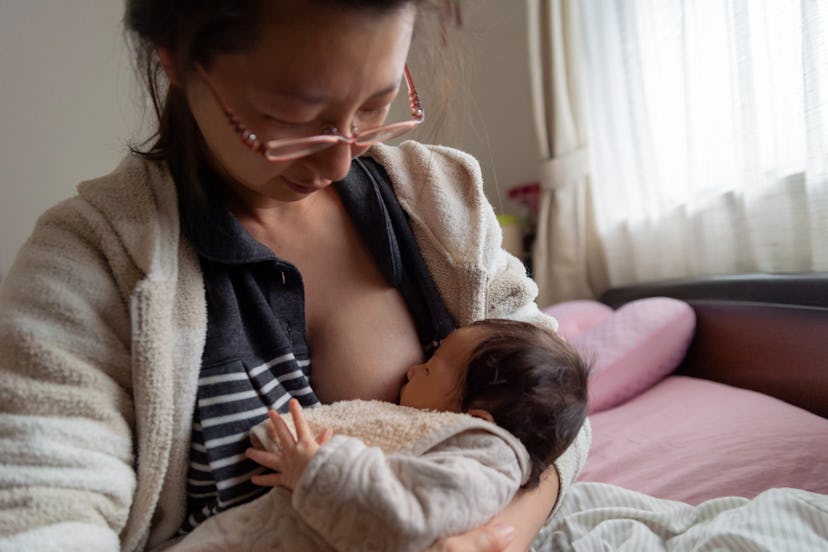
[[529, 195]]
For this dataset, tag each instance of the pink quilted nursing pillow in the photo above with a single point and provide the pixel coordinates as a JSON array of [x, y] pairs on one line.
[[631, 348]]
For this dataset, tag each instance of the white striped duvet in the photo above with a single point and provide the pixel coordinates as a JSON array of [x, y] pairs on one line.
[[599, 516]]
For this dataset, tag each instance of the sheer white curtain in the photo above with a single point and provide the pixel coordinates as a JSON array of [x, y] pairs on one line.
[[708, 124]]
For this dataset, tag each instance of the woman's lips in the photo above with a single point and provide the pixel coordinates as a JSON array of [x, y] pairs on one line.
[[299, 188]]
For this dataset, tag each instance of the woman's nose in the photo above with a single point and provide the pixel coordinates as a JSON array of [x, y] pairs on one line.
[[333, 163]]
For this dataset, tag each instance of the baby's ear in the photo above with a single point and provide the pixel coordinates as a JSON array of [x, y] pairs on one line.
[[480, 413]]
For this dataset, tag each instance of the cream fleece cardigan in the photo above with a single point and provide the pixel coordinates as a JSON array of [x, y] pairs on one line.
[[102, 326]]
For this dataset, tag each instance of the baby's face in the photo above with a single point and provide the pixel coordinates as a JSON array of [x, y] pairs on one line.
[[437, 383]]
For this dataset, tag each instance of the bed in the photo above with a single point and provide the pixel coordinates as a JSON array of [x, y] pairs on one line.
[[709, 412]]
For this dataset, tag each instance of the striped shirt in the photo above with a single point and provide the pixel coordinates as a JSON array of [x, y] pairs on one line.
[[256, 355]]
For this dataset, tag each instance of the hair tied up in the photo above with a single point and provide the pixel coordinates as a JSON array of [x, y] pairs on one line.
[[451, 12]]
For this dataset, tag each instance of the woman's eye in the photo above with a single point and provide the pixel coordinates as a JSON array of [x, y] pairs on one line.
[[275, 121], [373, 111], [373, 115]]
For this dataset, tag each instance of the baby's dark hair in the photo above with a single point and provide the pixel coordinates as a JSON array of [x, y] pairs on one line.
[[533, 383]]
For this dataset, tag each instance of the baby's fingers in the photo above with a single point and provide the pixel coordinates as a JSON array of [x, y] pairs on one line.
[[324, 436], [302, 430], [267, 479], [281, 433], [272, 460]]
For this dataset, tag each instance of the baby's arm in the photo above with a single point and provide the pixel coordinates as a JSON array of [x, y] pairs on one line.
[[358, 497]]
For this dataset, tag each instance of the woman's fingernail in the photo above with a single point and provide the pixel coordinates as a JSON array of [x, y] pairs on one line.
[[505, 531]]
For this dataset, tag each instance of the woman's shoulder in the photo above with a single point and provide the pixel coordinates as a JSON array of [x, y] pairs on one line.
[[441, 190], [133, 209], [137, 187], [417, 168]]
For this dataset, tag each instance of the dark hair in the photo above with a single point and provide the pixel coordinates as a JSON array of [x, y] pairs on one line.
[[533, 383], [195, 31]]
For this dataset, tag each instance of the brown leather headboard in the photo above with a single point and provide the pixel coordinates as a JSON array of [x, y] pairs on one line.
[[763, 332]]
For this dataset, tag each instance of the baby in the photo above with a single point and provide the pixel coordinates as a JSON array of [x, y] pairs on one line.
[[488, 413]]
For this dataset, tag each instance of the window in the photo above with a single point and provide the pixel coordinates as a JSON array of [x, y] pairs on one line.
[[709, 112]]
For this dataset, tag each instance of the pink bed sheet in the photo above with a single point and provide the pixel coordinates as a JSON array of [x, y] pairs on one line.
[[691, 440]]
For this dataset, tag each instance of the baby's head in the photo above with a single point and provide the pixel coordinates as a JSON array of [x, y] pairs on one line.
[[524, 378]]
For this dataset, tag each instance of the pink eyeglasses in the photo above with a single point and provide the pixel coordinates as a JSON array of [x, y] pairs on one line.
[[292, 148]]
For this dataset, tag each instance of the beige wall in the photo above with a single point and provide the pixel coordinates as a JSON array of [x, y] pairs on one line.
[[65, 105], [498, 127], [69, 106]]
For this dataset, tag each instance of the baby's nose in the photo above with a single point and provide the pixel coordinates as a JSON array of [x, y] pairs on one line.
[[410, 372]]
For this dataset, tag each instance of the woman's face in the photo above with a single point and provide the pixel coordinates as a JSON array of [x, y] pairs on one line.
[[313, 68]]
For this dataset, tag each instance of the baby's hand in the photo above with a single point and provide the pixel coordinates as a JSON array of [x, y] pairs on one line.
[[296, 452]]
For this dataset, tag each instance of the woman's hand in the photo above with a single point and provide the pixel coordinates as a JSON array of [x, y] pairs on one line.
[[515, 527], [295, 452], [492, 537]]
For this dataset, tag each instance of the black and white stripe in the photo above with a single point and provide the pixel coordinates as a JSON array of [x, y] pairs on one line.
[[232, 398]]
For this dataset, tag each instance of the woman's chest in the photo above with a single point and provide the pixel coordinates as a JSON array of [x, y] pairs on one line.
[[360, 330], [359, 327]]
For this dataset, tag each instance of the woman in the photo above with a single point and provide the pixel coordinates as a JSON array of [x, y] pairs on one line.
[[149, 322]]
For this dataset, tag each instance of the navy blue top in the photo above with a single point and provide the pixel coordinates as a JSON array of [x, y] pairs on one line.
[[256, 354]]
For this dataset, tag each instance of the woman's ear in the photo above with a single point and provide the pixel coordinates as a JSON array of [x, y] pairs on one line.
[[480, 413], [168, 64]]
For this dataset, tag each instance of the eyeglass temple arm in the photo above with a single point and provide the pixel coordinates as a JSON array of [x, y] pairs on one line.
[[413, 98], [246, 135]]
